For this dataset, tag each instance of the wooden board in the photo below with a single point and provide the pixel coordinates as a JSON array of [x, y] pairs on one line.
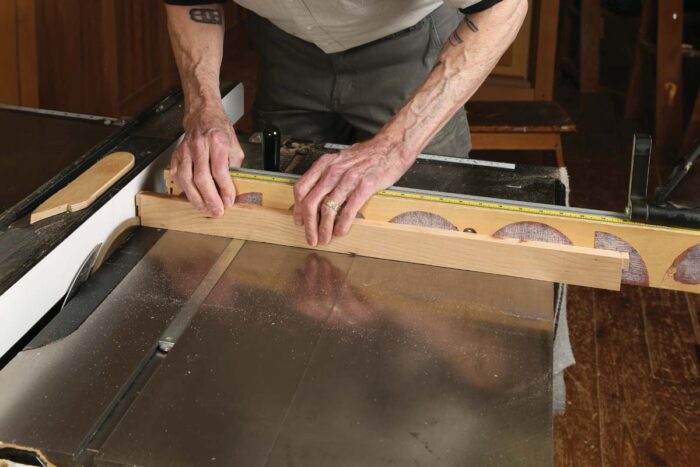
[[85, 189], [518, 117], [660, 257], [504, 88], [546, 47], [692, 131], [408, 243], [516, 141], [9, 77], [591, 33], [520, 142], [669, 74]]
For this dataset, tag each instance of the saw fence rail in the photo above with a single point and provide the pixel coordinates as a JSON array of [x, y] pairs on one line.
[[661, 257]]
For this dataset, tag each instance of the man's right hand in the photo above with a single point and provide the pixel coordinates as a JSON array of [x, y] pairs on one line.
[[200, 164]]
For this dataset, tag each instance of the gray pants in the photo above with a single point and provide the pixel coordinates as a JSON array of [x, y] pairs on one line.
[[312, 95]]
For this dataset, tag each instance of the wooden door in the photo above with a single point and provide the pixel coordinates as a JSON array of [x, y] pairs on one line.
[[526, 70], [18, 53], [105, 57]]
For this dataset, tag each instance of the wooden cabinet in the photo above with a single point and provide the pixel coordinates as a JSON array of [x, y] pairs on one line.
[[18, 61], [526, 70], [105, 57], [113, 57], [515, 63]]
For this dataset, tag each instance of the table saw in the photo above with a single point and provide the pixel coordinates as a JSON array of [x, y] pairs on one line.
[[126, 345]]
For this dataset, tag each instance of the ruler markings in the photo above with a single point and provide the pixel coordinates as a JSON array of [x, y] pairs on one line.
[[448, 159], [522, 208]]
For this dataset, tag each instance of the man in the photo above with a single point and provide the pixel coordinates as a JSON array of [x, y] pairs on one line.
[[400, 70]]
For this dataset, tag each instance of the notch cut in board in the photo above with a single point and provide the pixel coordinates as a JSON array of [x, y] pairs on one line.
[[87, 187], [408, 243], [663, 257]]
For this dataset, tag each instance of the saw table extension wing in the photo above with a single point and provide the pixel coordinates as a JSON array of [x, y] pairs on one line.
[[193, 349], [294, 356], [283, 354]]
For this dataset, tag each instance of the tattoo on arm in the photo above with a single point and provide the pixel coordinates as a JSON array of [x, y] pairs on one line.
[[206, 16], [455, 38], [470, 24]]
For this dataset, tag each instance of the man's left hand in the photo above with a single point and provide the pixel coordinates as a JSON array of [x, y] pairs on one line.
[[328, 197]]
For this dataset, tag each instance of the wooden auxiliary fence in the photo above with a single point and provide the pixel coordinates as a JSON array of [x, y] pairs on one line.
[[659, 257]]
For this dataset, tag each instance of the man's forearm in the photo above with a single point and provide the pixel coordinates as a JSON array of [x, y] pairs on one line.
[[197, 37], [467, 58], [200, 164]]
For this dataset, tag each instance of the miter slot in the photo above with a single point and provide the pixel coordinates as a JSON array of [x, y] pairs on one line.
[[178, 325]]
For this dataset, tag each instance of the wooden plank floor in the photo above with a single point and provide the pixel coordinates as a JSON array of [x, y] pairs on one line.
[[633, 394]]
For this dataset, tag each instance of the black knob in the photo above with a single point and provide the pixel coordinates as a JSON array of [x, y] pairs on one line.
[[271, 142]]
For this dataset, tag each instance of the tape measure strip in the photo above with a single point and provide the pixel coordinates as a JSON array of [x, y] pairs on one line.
[[501, 206], [447, 159]]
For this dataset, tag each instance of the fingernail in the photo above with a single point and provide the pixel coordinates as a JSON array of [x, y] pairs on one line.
[[228, 201], [217, 212], [297, 221], [199, 207]]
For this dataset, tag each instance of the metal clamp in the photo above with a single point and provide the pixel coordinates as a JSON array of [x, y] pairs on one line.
[[659, 211]]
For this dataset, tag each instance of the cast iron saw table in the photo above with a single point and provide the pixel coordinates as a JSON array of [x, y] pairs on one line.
[[284, 356]]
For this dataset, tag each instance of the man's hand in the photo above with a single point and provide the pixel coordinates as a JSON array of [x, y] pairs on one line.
[[344, 182], [200, 165], [347, 180]]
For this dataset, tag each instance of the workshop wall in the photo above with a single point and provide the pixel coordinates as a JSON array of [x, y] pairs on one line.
[[106, 57], [113, 57], [103, 57], [18, 53], [526, 70]]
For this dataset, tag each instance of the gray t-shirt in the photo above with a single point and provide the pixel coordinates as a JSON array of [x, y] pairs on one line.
[[338, 25]]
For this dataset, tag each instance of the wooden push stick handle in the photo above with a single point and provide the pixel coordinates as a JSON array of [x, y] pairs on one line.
[[84, 190]]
